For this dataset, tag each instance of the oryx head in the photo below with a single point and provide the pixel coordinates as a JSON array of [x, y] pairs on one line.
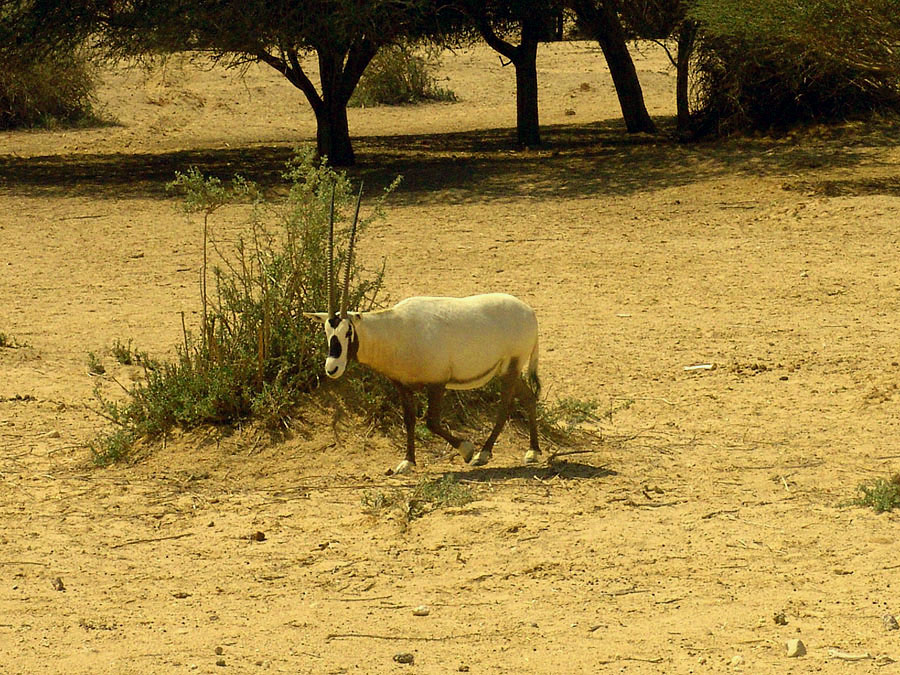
[[339, 332]]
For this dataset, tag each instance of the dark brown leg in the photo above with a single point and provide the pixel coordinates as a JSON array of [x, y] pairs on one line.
[[433, 421], [529, 400], [407, 400], [507, 391]]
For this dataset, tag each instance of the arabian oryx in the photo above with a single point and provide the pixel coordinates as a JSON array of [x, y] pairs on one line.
[[437, 344]]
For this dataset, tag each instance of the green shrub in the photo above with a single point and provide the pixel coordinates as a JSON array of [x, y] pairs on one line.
[[766, 63], [401, 74], [880, 494], [47, 91], [254, 354]]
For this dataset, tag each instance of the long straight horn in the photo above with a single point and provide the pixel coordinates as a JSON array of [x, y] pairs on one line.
[[331, 302], [345, 297]]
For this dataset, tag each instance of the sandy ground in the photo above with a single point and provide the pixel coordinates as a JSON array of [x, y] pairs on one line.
[[713, 502]]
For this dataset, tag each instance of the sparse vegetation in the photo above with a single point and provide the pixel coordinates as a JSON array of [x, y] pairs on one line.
[[112, 447], [880, 494], [426, 496], [95, 365], [9, 342], [48, 91], [401, 74], [255, 355], [124, 354]]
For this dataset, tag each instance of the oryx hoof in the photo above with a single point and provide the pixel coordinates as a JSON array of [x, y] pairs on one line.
[[532, 456], [482, 457], [404, 467], [466, 450]]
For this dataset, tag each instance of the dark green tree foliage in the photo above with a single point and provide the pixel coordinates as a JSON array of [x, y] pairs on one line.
[[344, 35], [770, 63]]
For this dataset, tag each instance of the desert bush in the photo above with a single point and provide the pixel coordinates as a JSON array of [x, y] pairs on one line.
[[48, 90], [401, 74], [881, 494], [9, 342], [767, 63], [254, 355]]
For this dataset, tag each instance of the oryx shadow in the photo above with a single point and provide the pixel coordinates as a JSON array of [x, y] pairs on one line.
[[557, 469]]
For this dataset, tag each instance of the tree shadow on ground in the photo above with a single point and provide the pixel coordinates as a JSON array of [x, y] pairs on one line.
[[475, 166]]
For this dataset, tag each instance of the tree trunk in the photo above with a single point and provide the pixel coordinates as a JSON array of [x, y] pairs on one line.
[[524, 59], [332, 127], [528, 126], [686, 36], [339, 73], [333, 134], [601, 19]]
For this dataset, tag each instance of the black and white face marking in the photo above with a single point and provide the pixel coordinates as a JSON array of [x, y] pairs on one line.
[[340, 338]]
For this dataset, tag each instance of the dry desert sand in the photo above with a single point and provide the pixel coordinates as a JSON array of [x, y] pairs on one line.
[[712, 500]]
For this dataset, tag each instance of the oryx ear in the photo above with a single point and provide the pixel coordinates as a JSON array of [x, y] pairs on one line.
[[321, 317]]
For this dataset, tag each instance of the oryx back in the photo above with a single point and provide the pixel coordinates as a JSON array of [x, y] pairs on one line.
[[462, 342]]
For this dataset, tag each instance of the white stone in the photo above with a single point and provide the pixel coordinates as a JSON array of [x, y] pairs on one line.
[[795, 648]]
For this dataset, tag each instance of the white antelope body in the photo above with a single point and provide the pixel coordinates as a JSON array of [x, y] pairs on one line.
[[440, 343], [462, 343]]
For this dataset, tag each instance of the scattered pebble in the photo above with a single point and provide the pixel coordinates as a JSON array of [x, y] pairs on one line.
[[890, 622], [463, 668], [404, 657], [220, 662], [58, 584], [737, 660], [421, 610], [219, 651], [780, 619], [257, 536], [795, 648]]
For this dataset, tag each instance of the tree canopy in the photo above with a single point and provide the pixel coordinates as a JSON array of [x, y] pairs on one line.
[[344, 34]]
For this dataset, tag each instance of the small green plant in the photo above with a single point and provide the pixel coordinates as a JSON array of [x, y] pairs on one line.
[[567, 414], [112, 447], [401, 74], [9, 342], [437, 493], [880, 494], [426, 496], [95, 366], [123, 353], [376, 503], [443, 492]]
